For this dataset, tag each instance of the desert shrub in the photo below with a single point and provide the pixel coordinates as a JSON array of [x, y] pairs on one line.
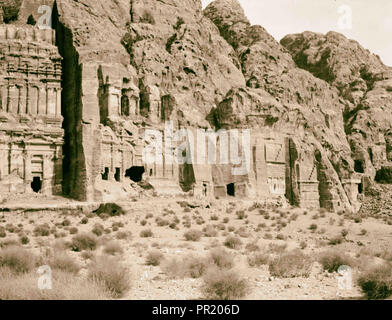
[[162, 222], [122, 235], [196, 266], [73, 230], [84, 241], [189, 266], [3, 234], [111, 209], [10, 228], [258, 259], [241, 214], [193, 235], [24, 239], [303, 245], [62, 261], [344, 233], [66, 286], [42, 230], [154, 258], [88, 255], [232, 242], [84, 220], [290, 265], [17, 259], [66, 223], [221, 258], [147, 233], [336, 240], [214, 217], [111, 275], [313, 227], [98, 229], [210, 231], [331, 260], [376, 283], [224, 285], [112, 248], [280, 236], [252, 247]]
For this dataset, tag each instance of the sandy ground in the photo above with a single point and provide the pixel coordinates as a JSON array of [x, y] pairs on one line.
[[289, 227]]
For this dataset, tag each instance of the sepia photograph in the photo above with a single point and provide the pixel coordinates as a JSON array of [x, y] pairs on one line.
[[214, 152]]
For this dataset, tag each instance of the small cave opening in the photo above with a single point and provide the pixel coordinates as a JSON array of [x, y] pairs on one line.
[[358, 166], [36, 185], [230, 189], [135, 173], [105, 175], [117, 175], [360, 188]]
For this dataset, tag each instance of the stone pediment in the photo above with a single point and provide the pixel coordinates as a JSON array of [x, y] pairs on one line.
[[108, 136]]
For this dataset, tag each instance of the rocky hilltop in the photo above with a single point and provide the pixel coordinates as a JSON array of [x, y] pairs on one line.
[[365, 86], [329, 97]]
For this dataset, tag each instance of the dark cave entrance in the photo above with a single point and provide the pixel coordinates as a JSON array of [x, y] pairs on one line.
[[230, 188], [135, 173], [36, 185], [117, 175], [105, 175], [358, 166], [360, 188]]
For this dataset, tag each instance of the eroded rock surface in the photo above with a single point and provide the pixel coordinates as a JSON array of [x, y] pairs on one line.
[[316, 105]]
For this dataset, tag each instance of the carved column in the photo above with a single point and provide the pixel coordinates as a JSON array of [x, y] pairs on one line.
[[47, 183]]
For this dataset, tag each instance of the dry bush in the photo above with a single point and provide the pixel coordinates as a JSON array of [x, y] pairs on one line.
[[84, 241], [111, 275], [147, 233], [258, 259], [65, 286], [98, 229], [63, 262], [112, 248], [154, 258], [232, 242], [277, 248], [210, 231], [42, 230], [224, 285], [73, 230], [336, 240], [221, 258], [193, 235], [17, 259], [189, 266], [376, 283], [290, 265], [24, 239], [252, 247], [331, 260], [123, 235]]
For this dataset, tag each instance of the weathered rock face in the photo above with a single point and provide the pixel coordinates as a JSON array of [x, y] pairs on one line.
[[31, 136], [300, 100], [131, 65], [365, 87]]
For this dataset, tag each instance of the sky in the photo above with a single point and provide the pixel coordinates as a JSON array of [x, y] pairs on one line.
[[368, 22]]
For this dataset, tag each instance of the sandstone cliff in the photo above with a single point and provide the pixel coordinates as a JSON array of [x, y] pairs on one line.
[[365, 87], [213, 69]]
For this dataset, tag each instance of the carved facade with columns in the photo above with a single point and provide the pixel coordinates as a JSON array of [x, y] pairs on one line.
[[31, 134]]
